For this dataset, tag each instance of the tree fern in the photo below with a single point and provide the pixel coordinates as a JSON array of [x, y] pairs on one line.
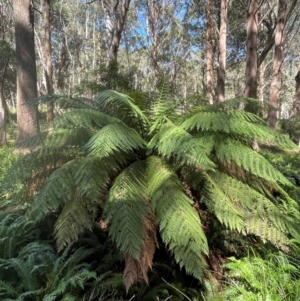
[[155, 171]]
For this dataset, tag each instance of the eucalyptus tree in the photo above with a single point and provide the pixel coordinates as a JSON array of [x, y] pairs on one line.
[[277, 63], [6, 57], [210, 53], [27, 115], [222, 51], [48, 57], [251, 50]]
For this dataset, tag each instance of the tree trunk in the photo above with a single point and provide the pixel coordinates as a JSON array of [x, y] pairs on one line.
[[116, 14], [27, 115], [48, 62], [271, 39], [222, 51], [210, 54], [152, 19], [296, 103], [277, 64], [251, 51], [3, 110], [261, 82]]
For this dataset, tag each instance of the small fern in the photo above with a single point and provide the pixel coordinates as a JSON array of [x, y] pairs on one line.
[[254, 278]]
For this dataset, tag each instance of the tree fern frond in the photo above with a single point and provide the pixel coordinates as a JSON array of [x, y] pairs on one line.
[[86, 118], [221, 205], [161, 112], [126, 208], [63, 138], [33, 168], [61, 101], [121, 106], [136, 270], [55, 192], [254, 163], [173, 141], [72, 221], [178, 222], [236, 124], [114, 138], [58, 138], [132, 272], [92, 177], [34, 142], [263, 217]]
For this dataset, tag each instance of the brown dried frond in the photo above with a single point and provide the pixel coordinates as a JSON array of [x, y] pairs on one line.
[[137, 270], [132, 273]]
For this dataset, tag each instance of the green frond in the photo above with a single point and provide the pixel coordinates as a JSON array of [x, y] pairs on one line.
[[273, 278], [126, 208], [57, 189], [33, 142], [40, 256], [161, 112], [7, 289], [72, 221], [57, 138], [178, 222], [107, 280], [121, 106], [264, 217], [220, 204], [86, 118], [31, 294], [237, 124], [92, 177], [34, 168], [15, 232], [64, 138], [63, 102], [23, 269], [174, 142], [251, 161], [113, 138]]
